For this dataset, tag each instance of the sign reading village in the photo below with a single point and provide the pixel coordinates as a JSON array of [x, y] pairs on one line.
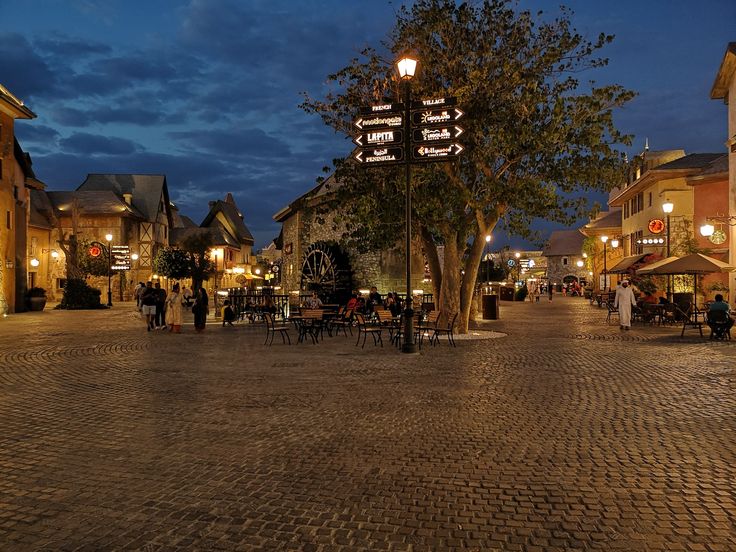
[[432, 133]]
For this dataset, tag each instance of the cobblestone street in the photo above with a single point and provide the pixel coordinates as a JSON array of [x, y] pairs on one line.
[[566, 434]]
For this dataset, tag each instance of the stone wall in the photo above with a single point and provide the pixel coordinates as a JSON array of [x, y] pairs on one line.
[[556, 270]]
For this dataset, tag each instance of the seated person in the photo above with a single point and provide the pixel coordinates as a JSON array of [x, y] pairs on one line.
[[228, 314], [649, 298], [353, 301], [716, 307], [313, 302]]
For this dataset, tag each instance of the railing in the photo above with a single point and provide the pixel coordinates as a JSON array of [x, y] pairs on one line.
[[241, 297]]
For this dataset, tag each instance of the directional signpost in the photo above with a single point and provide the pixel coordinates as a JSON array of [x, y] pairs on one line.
[[413, 132]]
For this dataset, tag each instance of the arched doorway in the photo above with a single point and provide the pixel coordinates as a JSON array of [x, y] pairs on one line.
[[326, 270]]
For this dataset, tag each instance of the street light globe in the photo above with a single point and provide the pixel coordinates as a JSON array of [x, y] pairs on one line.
[[258, 271], [614, 243], [488, 238], [668, 207], [604, 239], [134, 256], [406, 66], [35, 262], [108, 237], [585, 255], [707, 230], [54, 254], [517, 254], [580, 264]]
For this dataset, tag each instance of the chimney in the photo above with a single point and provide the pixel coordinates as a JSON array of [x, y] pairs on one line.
[[128, 198]]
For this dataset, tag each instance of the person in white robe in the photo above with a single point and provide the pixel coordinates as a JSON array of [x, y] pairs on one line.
[[624, 301]]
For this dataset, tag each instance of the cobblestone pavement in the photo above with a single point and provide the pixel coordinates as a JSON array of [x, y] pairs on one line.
[[566, 435]]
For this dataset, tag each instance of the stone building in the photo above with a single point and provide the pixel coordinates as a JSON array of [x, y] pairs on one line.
[[314, 255], [16, 181], [564, 254]]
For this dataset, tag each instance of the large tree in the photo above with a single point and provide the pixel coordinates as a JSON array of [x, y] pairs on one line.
[[190, 260], [536, 139]]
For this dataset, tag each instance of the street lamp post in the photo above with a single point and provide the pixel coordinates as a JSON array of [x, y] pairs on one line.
[[604, 239], [407, 67], [487, 258], [108, 238], [668, 207]]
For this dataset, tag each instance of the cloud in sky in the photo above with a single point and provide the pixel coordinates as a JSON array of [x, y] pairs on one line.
[[206, 91]]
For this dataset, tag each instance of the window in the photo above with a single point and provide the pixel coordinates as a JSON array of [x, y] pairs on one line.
[[15, 192], [564, 261], [7, 220], [34, 245], [60, 283], [1, 169], [626, 210], [650, 199]]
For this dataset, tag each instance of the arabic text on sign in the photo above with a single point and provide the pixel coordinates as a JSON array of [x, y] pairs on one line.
[[378, 155]]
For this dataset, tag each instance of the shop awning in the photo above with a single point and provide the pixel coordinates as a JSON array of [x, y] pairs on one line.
[[626, 263]]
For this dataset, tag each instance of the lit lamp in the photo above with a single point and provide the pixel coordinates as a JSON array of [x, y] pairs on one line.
[[580, 264], [134, 256], [407, 66], [707, 230], [614, 243], [604, 239], [108, 237], [667, 208], [488, 259], [54, 254], [35, 262]]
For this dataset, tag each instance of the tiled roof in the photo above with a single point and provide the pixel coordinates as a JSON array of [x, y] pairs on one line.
[[717, 166], [232, 214], [217, 233], [692, 161], [564, 242], [16, 104], [146, 189], [41, 209], [606, 219], [102, 202]]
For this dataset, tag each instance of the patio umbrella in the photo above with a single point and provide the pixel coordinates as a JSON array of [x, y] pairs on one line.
[[695, 264]]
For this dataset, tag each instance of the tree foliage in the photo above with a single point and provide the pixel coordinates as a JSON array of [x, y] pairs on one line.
[[89, 265], [190, 260], [536, 139]]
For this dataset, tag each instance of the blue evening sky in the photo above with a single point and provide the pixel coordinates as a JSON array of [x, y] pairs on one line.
[[206, 91]]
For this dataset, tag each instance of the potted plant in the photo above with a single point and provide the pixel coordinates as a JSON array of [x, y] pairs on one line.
[[36, 299]]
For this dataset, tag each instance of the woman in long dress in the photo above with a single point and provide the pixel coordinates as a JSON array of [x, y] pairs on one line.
[[199, 309], [174, 309]]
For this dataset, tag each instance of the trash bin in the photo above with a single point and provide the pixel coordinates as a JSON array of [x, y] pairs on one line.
[[490, 307], [507, 293]]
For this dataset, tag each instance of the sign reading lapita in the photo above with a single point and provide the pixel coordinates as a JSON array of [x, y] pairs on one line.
[[432, 128], [120, 257]]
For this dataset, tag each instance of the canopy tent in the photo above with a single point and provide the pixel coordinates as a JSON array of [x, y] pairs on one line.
[[623, 266], [695, 264]]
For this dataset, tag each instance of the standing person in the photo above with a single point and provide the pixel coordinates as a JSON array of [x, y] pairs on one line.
[[374, 299], [200, 310], [537, 292], [174, 309], [148, 304], [137, 292], [550, 291], [624, 301], [160, 306]]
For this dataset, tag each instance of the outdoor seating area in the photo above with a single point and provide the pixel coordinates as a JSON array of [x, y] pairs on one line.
[[680, 310]]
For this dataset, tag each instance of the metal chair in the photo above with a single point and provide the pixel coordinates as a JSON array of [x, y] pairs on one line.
[[272, 328], [364, 329]]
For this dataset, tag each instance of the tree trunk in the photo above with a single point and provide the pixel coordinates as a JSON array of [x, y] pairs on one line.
[[450, 290], [430, 250], [467, 288]]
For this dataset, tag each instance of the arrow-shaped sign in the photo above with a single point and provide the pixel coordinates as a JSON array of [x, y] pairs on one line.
[[391, 120], [380, 155], [431, 117], [437, 134], [436, 152], [379, 137]]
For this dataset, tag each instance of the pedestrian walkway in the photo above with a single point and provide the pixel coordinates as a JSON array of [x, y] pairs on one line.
[[566, 434]]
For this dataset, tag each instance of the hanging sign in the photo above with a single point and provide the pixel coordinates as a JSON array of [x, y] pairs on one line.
[[440, 150], [95, 250], [379, 137], [391, 120], [428, 117], [438, 134], [380, 155], [120, 257]]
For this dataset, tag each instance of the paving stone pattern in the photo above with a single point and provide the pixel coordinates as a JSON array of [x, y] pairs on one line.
[[568, 434]]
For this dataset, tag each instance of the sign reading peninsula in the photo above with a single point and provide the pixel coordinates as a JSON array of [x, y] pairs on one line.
[[380, 155]]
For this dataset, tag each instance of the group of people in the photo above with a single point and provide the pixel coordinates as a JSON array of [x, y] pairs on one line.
[[163, 311], [625, 302]]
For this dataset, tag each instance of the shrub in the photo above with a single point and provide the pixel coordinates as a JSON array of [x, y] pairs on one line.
[[79, 295]]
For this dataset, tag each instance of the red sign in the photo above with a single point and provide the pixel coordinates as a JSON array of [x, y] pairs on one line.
[[95, 251], [656, 226]]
